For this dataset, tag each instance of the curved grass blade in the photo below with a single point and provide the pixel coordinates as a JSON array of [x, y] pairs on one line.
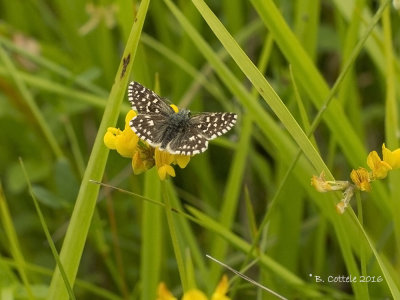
[[71, 251]]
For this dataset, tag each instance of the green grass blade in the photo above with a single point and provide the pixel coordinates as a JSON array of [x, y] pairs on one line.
[[391, 118], [189, 236], [262, 86], [307, 22], [394, 289], [152, 243], [75, 238], [13, 241], [266, 261], [374, 46], [272, 131], [47, 233], [230, 200], [313, 82], [175, 239]]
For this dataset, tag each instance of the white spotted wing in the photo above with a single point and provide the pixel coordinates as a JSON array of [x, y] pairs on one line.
[[145, 101], [157, 123]]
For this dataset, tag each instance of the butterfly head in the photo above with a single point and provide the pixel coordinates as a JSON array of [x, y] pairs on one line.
[[184, 114]]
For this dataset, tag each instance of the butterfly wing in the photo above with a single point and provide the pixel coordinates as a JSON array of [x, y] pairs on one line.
[[202, 128], [145, 101], [154, 117], [149, 128], [188, 142], [212, 125]]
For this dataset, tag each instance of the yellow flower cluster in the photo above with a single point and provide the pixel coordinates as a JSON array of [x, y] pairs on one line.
[[143, 156], [361, 177], [219, 294]]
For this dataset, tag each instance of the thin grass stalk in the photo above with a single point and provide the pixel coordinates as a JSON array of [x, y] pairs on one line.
[[14, 243], [265, 261], [240, 57], [312, 81], [47, 233], [393, 287], [374, 46], [315, 123], [363, 250], [261, 84]]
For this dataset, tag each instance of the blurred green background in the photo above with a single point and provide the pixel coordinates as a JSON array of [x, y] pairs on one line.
[[58, 63]]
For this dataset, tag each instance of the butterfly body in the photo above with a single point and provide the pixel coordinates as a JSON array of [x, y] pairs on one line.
[[177, 133], [177, 123]]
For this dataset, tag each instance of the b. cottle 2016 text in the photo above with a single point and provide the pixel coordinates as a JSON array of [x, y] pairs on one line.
[[348, 279]]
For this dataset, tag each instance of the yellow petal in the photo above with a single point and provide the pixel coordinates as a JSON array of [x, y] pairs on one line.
[[165, 170], [391, 157], [111, 136], [379, 167], [163, 293], [143, 159], [129, 116], [221, 290], [182, 160], [194, 295], [162, 158], [126, 143], [361, 179], [163, 161]]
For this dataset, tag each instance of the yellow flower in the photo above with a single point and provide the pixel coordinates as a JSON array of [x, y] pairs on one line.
[[361, 179], [221, 290], [322, 185], [110, 137], [391, 157], [126, 143], [163, 293], [379, 167], [143, 159], [163, 162], [143, 156], [194, 295]]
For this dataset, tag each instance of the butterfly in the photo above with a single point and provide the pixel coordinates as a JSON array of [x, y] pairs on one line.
[[177, 133]]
